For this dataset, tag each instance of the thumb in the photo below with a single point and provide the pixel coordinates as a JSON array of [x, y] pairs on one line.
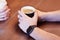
[[35, 14]]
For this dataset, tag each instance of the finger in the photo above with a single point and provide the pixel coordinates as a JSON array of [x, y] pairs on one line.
[[4, 14], [20, 13], [4, 9], [35, 14], [20, 18], [8, 14], [2, 19], [23, 15]]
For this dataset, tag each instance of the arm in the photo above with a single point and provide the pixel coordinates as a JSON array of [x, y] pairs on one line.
[[25, 23], [50, 16], [40, 34]]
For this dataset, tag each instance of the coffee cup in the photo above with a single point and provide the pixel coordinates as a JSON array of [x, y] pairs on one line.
[[28, 10]]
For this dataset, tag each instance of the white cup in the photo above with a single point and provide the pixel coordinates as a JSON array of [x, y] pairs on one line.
[[3, 7], [3, 3], [28, 10]]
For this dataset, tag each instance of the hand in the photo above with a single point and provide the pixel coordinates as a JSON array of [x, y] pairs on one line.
[[4, 13], [25, 21], [42, 14]]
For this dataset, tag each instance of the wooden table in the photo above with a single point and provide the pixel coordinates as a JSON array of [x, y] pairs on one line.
[[9, 29]]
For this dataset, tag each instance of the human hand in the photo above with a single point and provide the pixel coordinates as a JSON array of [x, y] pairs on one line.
[[25, 21], [4, 13]]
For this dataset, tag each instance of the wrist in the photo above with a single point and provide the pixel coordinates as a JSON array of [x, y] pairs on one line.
[[35, 31], [30, 29]]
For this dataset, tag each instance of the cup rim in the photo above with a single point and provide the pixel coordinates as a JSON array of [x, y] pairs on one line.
[[28, 7]]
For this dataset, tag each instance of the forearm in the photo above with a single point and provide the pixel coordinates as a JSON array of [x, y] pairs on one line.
[[39, 34], [50, 16]]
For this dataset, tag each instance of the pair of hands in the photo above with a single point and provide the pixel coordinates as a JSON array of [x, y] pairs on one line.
[[25, 21]]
